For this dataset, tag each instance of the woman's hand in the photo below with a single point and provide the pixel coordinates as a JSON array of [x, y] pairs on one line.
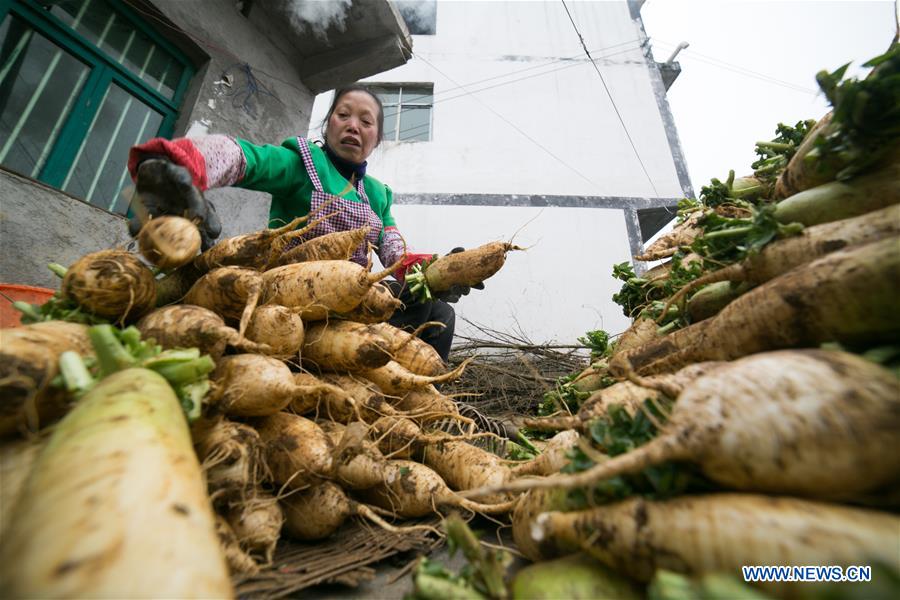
[[457, 291], [164, 188]]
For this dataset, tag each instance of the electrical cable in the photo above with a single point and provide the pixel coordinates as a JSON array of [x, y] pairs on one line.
[[616, 108], [567, 66], [716, 62], [516, 127]]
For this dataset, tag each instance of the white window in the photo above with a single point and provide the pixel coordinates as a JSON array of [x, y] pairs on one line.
[[407, 111]]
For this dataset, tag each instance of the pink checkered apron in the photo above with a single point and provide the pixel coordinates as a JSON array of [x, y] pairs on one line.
[[350, 213]]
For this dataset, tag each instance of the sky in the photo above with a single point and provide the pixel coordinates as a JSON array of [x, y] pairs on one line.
[[752, 64]]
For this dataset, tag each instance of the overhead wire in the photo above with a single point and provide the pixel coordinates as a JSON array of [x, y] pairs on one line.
[[556, 70], [609, 94], [514, 126], [571, 62], [204, 42], [716, 62]]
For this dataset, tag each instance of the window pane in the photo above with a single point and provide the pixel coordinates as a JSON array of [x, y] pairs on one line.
[[417, 95], [121, 41], [154, 66], [100, 170], [415, 123], [387, 95], [390, 123], [38, 85]]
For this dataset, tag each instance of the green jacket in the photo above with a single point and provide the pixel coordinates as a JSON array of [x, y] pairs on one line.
[[279, 171]]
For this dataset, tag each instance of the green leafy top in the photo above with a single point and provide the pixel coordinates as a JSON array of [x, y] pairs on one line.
[[117, 349], [726, 240], [640, 296], [775, 154], [731, 191], [616, 433], [598, 342], [865, 120]]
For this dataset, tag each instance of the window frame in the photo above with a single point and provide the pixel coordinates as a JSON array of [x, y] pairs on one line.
[[391, 87], [104, 72]]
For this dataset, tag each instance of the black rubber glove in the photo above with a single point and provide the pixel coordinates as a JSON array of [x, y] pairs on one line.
[[457, 291], [165, 188]]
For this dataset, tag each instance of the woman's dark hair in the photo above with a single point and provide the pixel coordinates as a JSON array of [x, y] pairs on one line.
[[357, 87]]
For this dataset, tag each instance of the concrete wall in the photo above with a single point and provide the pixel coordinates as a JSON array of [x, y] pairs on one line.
[[40, 225], [229, 39], [265, 104], [522, 118]]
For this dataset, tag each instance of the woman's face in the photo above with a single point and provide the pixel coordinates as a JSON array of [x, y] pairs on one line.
[[352, 129]]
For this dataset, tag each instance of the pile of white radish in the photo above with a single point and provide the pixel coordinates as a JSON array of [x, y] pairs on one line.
[[780, 404], [296, 437]]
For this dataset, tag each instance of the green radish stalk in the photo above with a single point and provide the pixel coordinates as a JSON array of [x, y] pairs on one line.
[[430, 580], [250, 250], [189, 326], [719, 533], [409, 351], [553, 456], [279, 328], [413, 490], [843, 199], [298, 453], [112, 284], [256, 522], [592, 378], [466, 268], [627, 394], [345, 346], [317, 513], [574, 576], [252, 385], [239, 562], [835, 411], [857, 134], [710, 301], [232, 292], [169, 241], [116, 504], [321, 287], [395, 380], [813, 242], [29, 360], [793, 178], [339, 245], [378, 305], [850, 296]]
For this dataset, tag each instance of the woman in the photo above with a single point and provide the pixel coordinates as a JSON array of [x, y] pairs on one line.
[[300, 176]]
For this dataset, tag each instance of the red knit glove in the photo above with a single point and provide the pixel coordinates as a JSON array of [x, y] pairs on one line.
[[408, 263], [181, 151]]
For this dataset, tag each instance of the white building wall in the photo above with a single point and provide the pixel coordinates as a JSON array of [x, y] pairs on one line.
[[552, 132]]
